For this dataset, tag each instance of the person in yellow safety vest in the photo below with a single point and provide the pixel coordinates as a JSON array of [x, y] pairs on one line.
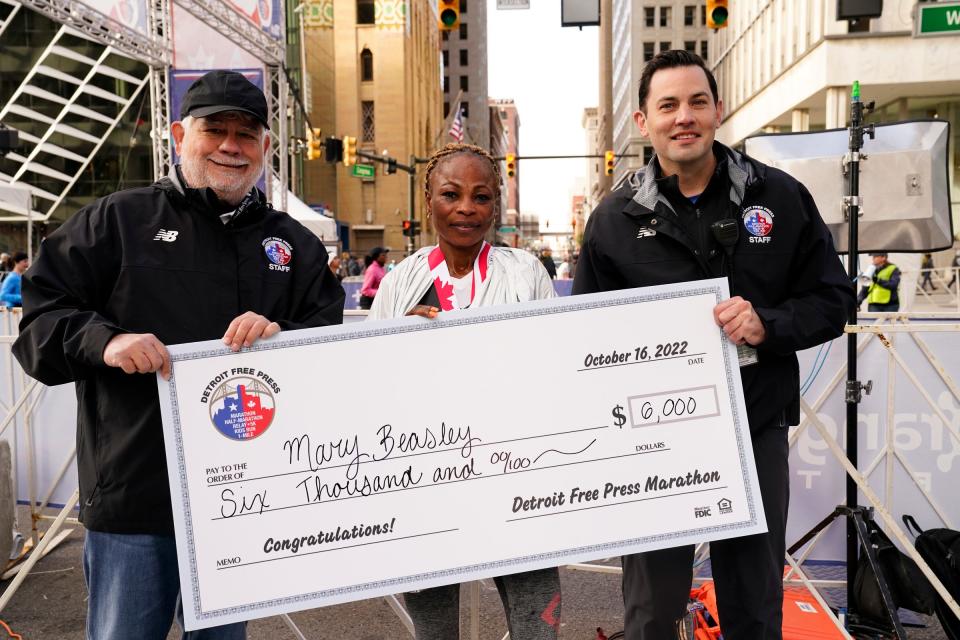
[[881, 294]]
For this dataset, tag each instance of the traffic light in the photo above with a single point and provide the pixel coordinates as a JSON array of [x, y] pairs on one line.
[[608, 161], [511, 165], [391, 166], [411, 228], [717, 14], [349, 151], [333, 150], [448, 12], [313, 144]]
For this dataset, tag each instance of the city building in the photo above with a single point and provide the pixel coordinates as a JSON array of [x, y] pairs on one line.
[[505, 119], [639, 29], [464, 53], [374, 74], [788, 65], [596, 185]]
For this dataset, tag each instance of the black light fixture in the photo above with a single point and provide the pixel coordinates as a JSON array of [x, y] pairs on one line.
[[859, 9]]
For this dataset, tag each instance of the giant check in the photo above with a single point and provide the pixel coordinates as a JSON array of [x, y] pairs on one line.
[[342, 463]]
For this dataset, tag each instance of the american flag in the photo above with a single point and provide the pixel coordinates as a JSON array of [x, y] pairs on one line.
[[456, 127]]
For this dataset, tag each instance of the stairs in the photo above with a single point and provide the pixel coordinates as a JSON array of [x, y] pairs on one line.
[[69, 103]]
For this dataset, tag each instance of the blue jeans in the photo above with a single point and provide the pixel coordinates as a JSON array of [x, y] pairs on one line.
[[134, 589]]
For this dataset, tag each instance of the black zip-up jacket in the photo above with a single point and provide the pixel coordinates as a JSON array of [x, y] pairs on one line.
[[154, 260], [784, 263]]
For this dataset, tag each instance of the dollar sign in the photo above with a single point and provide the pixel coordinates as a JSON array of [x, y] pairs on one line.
[[618, 418]]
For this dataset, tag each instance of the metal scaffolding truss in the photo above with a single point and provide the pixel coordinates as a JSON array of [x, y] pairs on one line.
[[277, 91], [100, 28], [158, 20], [223, 18]]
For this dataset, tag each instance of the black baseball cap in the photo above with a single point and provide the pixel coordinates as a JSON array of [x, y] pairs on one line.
[[220, 91]]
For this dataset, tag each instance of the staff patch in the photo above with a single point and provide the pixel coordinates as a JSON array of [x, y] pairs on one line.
[[758, 221], [279, 253]]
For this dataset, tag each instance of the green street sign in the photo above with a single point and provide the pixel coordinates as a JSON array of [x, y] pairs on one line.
[[507, 230], [939, 18], [363, 171]]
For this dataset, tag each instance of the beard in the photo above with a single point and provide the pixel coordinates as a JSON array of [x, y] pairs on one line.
[[230, 187]]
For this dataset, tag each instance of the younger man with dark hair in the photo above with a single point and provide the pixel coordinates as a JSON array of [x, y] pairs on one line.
[[789, 293]]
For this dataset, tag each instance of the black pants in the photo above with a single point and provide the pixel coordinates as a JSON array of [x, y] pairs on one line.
[[873, 306], [366, 302], [747, 571]]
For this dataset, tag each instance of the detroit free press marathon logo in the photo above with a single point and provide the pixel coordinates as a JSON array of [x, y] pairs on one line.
[[241, 402]]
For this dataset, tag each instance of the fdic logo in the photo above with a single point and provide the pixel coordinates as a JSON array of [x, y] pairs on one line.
[[701, 512], [241, 402]]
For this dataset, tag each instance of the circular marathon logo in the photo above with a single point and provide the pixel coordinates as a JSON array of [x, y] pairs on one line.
[[758, 221], [242, 408], [278, 251]]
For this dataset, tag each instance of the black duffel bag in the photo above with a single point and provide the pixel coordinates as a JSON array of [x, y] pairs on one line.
[[940, 549], [909, 588]]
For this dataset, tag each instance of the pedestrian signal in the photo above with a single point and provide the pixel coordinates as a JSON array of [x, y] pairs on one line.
[[333, 150], [313, 144], [411, 228], [511, 165], [717, 14], [608, 161], [349, 151], [448, 13]]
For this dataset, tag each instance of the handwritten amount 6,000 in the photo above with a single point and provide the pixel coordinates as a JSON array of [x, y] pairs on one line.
[[668, 406]]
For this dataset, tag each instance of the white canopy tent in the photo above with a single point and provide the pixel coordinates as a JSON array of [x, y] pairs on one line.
[[322, 226]]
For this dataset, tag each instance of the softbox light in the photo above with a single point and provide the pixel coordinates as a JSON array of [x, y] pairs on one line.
[[904, 182]]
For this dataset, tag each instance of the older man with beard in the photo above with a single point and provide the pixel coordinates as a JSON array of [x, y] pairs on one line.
[[197, 255]]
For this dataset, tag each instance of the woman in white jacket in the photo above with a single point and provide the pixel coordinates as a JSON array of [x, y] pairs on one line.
[[463, 190]]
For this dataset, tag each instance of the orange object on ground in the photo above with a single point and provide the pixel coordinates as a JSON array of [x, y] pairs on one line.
[[803, 617]]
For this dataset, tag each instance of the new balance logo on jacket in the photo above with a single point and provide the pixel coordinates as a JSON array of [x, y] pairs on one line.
[[645, 232], [166, 236]]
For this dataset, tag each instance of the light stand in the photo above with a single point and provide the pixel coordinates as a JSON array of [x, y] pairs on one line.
[[856, 516]]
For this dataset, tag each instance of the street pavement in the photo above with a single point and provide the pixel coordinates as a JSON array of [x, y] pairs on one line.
[[51, 604]]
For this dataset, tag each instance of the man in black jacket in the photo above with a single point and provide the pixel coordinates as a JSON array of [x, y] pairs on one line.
[[701, 210], [196, 256]]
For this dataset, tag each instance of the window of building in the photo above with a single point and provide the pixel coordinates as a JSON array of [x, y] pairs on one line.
[[463, 30], [366, 65], [703, 15], [664, 46], [689, 15], [463, 6], [445, 36], [464, 83], [465, 109], [690, 45], [649, 16], [446, 84], [463, 57], [366, 12], [648, 51], [664, 16], [446, 58], [703, 49], [369, 128], [446, 109]]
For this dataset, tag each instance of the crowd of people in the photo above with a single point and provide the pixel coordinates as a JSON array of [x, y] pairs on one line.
[[96, 313]]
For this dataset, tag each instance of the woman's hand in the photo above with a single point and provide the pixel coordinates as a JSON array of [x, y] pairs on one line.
[[424, 311]]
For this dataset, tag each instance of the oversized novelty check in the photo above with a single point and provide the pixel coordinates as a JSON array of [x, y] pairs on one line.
[[343, 463]]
